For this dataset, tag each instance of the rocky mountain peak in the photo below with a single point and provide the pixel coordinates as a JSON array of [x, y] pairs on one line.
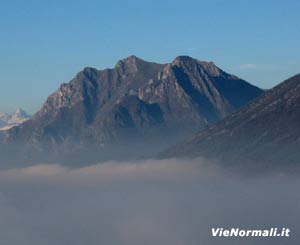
[[132, 58], [183, 59], [189, 63], [88, 71], [131, 64], [20, 113]]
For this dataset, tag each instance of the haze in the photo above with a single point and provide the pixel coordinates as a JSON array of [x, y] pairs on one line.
[[151, 202]]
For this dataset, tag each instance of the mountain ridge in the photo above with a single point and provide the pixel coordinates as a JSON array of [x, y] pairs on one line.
[[265, 132], [134, 101]]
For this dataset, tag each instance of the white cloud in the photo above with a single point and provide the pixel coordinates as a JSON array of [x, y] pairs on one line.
[[141, 203], [256, 67]]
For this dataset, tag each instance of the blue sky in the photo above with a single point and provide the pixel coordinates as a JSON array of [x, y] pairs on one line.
[[45, 43]]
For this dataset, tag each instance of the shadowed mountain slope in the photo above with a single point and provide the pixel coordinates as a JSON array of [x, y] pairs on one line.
[[264, 132]]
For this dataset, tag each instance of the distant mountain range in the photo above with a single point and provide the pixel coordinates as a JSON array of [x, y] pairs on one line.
[[266, 133], [137, 108], [8, 121]]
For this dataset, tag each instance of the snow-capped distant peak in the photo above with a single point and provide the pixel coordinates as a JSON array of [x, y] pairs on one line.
[[19, 114], [8, 121]]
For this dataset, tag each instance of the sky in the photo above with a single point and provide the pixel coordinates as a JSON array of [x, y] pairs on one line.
[[45, 43]]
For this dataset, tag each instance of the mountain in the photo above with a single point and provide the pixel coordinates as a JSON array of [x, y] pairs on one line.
[[264, 133], [8, 121], [137, 102]]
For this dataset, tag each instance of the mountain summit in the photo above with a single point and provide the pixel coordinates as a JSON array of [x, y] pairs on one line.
[[137, 101]]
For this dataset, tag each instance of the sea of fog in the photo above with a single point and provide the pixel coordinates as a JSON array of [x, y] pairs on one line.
[[166, 202]]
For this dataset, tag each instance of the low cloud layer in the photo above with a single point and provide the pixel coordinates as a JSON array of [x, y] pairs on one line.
[[169, 202]]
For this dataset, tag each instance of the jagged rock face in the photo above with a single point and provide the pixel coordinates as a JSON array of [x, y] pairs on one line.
[[266, 131], [135, 99]]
